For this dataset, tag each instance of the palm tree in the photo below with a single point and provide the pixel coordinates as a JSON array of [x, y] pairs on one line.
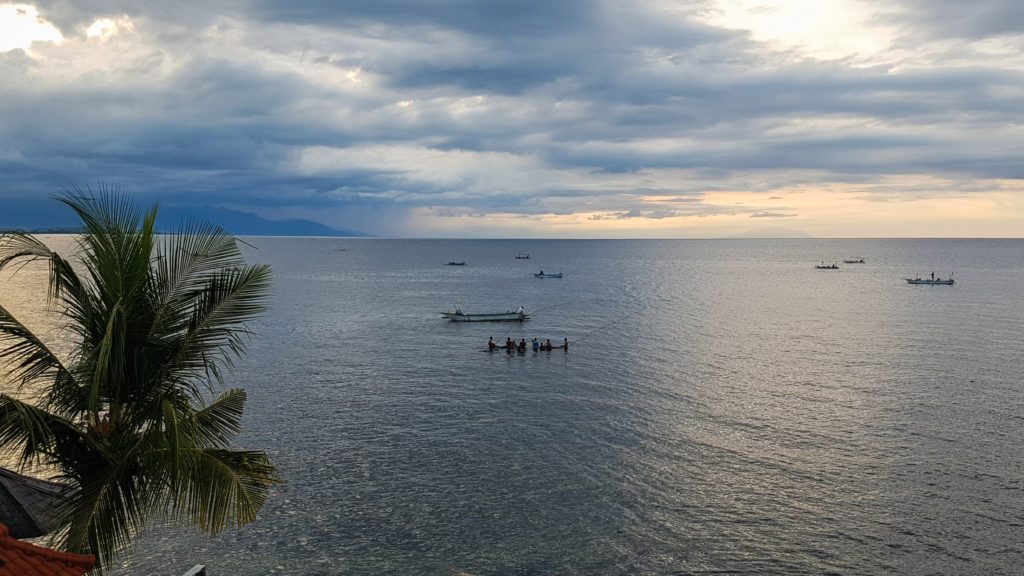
[[131, 419]]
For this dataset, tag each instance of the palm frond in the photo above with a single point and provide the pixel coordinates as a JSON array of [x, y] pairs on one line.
[[26, 248], [217, 325], [23, 355], [16, 246], [221, 420], [111, 504], [109, 372], [184, 263], [31, 433], [65, 398], [225, 487], [27, 357], [186, 257], [74, 295], [117, 243]]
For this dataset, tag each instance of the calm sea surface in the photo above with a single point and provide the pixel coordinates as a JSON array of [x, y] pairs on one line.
[[723, 408]]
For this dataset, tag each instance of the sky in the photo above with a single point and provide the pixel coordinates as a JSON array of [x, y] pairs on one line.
[[533, 118]]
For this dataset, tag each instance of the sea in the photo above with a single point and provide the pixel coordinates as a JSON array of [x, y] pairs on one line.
[[723, 408]]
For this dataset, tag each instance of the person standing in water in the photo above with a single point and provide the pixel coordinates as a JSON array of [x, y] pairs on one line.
[[566, 345], [490, 343]]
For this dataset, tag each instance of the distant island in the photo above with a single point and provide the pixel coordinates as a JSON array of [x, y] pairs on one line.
[[49, 217]]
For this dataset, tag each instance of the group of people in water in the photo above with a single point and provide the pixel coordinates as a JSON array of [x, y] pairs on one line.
[[538, 346]]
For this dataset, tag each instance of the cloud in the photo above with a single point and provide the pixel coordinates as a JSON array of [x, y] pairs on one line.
[[951, 19], [21, 25], [613, 111], [635, 213]]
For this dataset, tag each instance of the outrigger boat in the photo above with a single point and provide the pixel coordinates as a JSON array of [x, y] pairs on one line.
[[503, 348], [457, 315], [823, 266], [932, 281]]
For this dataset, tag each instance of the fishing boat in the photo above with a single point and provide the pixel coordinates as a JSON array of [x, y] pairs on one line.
[[853, 261], [457, 263], [542, 274], [457, 315], [522, 256], [932, 281], [824, 266]]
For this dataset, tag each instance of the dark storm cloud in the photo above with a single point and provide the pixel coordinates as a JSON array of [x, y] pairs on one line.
[[509, 47]]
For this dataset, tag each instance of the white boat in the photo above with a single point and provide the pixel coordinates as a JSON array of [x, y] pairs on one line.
[[457, 315], [932, 281]]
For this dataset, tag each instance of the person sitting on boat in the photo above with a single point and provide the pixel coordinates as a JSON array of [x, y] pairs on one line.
[[547, 345], [490, 343], [536, 344], [520, 311], [522, 345]]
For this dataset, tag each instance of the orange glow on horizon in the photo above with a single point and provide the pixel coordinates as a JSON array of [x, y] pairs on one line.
[[829, 210]]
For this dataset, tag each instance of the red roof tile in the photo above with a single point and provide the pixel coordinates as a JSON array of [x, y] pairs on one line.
[[19, 558]]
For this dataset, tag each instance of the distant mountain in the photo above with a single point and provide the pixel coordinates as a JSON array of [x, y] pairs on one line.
[[772, 232], [246, 223], [42, 216]]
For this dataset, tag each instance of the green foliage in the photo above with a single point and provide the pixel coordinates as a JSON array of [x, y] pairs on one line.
[[131, 420]]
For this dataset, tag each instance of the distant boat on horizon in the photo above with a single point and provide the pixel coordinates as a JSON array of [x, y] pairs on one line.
[[522, 256], [853, 261], [457, 263], [824, 266]]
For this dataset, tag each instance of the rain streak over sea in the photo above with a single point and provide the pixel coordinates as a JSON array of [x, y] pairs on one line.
[[723, 408]]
